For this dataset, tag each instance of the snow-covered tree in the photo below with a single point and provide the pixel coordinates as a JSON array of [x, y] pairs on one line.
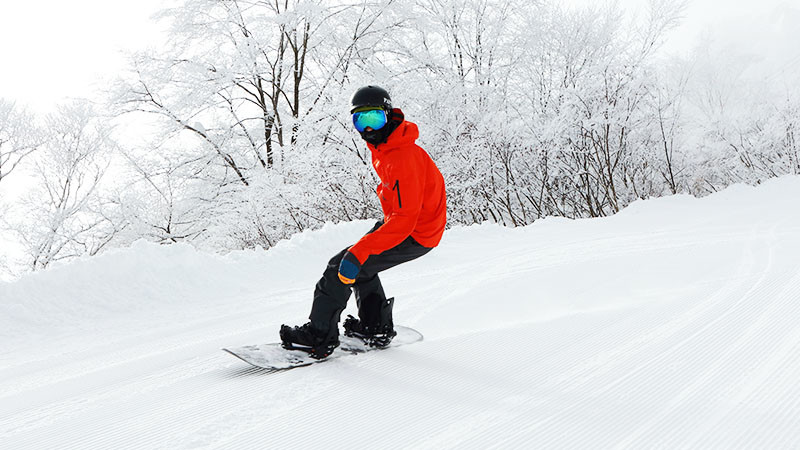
[[62, 216], [19, 136], [253, 95]]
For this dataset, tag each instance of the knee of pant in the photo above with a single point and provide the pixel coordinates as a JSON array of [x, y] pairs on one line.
[[365, 280]]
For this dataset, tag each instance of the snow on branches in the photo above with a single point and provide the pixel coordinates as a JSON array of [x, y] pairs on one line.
[[530, 109]]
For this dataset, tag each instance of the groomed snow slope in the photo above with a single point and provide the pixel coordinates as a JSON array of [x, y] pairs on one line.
[[675, 323]]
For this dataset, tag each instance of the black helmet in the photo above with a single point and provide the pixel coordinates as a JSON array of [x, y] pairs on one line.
[[371, 96]]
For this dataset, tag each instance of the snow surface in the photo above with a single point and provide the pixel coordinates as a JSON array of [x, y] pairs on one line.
[[675, 323]]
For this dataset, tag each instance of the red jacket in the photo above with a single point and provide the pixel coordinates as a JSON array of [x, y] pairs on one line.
[[411, 192]]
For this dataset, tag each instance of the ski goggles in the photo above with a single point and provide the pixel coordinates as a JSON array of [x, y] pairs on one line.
[[372, 118]]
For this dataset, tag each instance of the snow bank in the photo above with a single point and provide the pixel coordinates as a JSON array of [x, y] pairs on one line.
[[159, 283]]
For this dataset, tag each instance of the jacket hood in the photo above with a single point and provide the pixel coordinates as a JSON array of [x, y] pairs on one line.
[[405, 134]]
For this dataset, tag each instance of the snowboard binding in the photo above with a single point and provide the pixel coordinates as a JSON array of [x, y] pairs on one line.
[[377, 337], [306, 339], [318, 352], [374, 325]]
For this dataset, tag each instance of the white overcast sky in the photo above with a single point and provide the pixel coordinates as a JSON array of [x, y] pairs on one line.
[[51, 50]]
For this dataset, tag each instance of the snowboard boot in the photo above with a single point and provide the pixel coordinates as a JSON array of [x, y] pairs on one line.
[[374, 325], [318, 344]]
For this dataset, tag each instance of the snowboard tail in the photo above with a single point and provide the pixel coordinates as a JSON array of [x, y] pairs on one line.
[[274, 357]]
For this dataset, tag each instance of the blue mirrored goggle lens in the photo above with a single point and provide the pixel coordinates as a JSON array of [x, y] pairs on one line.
[[374, 118]]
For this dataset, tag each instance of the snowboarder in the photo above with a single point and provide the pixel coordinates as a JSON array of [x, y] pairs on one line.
[[412, 196]]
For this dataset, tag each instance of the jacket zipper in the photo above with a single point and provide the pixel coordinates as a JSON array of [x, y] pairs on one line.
[[397, 188]]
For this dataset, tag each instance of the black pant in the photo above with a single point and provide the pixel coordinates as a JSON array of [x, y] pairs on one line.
[[331, 295]]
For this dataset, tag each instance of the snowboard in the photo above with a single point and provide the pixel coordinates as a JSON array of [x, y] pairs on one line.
[[274, 357]]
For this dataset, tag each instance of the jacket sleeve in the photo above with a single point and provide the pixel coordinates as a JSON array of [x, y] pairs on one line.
[[406, 177]]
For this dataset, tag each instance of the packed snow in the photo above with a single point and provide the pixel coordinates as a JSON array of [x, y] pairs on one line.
[[675, 323]]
